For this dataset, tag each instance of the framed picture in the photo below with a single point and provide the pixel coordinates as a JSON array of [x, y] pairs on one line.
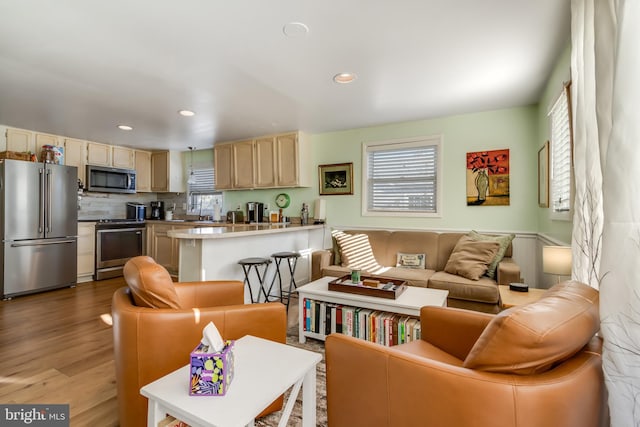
[[335, 179], [543, 176], [488, 178]]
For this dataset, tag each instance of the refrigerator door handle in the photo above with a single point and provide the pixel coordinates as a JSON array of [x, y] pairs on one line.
[[57, 242], [42, 202], [49, 209]]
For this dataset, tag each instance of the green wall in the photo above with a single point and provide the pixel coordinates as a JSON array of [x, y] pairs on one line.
[[556, 229], [514, 128]]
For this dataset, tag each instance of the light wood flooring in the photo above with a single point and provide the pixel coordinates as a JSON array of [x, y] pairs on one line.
[[55, 347]]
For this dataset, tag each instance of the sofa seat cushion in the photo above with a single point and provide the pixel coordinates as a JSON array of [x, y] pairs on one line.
[[482, 290], [414, 277], [335, 270], [424, 350], [532, 338]]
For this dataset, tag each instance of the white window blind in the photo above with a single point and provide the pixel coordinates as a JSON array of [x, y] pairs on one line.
[[402, 177], [560, 179], [203, 197]]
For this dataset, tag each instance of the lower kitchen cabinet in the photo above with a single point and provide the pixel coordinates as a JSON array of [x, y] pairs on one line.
[[163, 249], [86, 251]]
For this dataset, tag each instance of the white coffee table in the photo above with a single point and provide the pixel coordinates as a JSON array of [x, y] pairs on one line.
[[263, 370], [409, 302]]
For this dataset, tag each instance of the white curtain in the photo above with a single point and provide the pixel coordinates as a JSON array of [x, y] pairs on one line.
[[605, 70]]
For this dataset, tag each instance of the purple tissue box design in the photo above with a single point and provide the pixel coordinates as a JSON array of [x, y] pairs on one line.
[[211, 373]]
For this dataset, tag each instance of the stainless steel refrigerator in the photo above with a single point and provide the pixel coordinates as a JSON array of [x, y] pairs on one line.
[[39, 223]]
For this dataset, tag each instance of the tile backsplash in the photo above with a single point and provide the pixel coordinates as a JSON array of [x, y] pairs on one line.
[[114, 205]]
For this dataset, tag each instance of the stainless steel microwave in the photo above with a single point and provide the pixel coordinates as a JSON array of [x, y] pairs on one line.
[[110, 180]]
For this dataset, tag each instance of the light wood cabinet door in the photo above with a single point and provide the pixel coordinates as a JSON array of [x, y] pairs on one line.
[[160, 171], [163, 246], [86, 251], [223, 166], [244, 164], [122, 157], [75, 154], [143, 171], [20, 140], [288, 160], [98, 154], [265, 149]]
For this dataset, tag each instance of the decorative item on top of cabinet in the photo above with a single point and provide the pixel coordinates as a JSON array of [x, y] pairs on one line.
[[143, 171], [122, 157], [20, 140], [43, 139], [98, 154], [167, 172]]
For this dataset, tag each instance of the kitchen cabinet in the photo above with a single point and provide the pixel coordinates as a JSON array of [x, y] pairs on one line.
[[163, 249], [223, 166], [244, 164], [143, 171], [98, 154], [86, 251], [275, 161], [167, 172], [20, 140], [122, 157], [75, 154]]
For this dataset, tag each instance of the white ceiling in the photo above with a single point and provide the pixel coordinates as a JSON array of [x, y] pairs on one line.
[[79, 68]]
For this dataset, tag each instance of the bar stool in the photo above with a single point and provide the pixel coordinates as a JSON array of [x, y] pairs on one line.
[[255, 262], [292, 261]]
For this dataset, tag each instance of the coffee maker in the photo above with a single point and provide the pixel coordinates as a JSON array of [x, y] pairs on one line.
[[255, 212], [157, 210]]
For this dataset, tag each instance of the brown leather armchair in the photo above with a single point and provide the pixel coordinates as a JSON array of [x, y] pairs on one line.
[[533, 365], [157, 323]]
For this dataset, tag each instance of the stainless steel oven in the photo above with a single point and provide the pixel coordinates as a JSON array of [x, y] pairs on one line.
[[116, 242]]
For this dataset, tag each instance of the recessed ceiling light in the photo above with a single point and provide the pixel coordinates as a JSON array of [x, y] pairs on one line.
[[125, 127], [295, 29], [344, 78], [186, 113]]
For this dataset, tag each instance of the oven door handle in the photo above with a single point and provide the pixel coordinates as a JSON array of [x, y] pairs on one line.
[[120, 230]]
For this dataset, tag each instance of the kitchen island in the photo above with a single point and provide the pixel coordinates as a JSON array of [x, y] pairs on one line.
[[212, 253]]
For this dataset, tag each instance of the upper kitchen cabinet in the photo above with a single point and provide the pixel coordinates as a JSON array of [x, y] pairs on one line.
[[266, 162], [166, 172], [122, 157], [98, 154], [223, 166], [244, 164], [143, 171], [75, 154], [20, 140]]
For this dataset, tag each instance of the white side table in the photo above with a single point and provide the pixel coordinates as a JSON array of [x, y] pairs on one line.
[[263, 371]]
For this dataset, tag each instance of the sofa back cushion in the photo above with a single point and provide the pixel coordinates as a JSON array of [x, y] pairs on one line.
[[378, 240], [356, 252], [150, 283], [532, 338], [412, 242]]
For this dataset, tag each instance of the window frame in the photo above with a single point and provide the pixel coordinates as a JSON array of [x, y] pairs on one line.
[[561, 215], [432, 140]]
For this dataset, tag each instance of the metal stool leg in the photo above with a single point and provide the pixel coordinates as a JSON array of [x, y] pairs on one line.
[[247, 270], [277, 273], [261, 282], [292, 282]]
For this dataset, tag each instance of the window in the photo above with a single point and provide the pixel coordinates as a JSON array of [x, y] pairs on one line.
[[560, 171], [402, 178], [202, 194]]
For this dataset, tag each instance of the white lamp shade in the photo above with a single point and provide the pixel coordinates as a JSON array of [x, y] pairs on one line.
[[320, 210], [556, 260]]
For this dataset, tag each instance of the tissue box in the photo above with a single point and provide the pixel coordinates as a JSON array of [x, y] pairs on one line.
[[211, 373]]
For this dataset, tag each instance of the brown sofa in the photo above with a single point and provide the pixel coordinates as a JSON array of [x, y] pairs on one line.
[[529, 366], [150, 342], [479, 295]]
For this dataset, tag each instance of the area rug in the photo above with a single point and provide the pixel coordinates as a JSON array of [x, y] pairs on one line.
[[321, 393]]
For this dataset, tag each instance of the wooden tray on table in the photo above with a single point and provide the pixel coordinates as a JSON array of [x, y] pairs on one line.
[[387, 288]]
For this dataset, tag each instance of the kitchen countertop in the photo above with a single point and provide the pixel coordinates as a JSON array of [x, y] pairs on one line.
[[224, 231]]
